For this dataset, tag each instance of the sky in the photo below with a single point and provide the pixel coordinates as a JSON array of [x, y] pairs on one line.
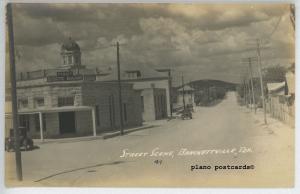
[[199, 41]]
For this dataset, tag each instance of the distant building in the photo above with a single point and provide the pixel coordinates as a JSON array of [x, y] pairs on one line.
[[281, 96], [69, 101], [186, 92], [276, 89], [290, 83], [154, 87]]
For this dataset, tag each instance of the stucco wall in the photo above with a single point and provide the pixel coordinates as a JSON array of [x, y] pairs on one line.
[[144, 84]]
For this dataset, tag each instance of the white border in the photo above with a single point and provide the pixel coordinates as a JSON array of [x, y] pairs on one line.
[[91, 190]]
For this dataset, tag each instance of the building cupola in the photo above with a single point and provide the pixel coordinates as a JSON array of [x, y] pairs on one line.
[[71, 54]]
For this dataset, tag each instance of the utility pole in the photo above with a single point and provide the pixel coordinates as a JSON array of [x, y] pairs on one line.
[[252, 88], [120, 90], [14, 91], [245, 93], [183, 100], [249, 94], [261, 80], [170, 92]]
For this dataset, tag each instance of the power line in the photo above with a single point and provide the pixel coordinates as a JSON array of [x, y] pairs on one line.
[[275, 28]]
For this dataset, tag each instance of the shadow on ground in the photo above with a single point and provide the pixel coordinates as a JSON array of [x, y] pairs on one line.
[[82, 168]]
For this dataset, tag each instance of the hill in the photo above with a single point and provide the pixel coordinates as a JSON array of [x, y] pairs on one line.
[[202, 84]]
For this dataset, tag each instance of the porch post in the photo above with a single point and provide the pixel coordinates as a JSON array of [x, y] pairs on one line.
[[94, 121], [41, 126]]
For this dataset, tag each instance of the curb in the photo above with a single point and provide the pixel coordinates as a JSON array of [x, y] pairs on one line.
[[118, 133], [91, 138]]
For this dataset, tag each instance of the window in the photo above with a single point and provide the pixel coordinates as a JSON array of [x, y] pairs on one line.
[[125, 112], [37, 122], [66, 101], [142, 103], [70, 59], [111, 110], [24, 121], [97, 115], [39, 102], [23, 103], [64, 58], [133, 74]]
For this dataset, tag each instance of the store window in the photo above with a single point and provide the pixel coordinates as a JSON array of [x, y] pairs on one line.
[[23, 103], [142, 103], [97, 115], [39, 102], [66, 101], [125, 112]]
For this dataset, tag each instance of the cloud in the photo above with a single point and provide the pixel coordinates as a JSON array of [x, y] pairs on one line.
[[200, 40]]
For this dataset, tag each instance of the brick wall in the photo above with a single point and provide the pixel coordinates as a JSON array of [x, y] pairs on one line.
[[85, 94], [99, 94], [50, 94]]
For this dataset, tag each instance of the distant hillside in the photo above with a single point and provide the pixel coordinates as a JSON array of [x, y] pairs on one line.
[[206, 91], [202, 84]]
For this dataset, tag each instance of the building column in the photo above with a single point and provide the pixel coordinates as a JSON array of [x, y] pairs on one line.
[[94, 121], [41, 126]]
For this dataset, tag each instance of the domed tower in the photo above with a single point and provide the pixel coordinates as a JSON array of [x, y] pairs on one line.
[[71, 55]]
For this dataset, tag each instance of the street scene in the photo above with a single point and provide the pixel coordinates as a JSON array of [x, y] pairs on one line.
[[98, 162], [150, 95]]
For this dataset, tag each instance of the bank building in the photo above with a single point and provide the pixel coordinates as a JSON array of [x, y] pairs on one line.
[[69, 100]]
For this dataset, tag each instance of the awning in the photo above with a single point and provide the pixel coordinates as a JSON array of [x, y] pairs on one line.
[[56, 109], [186, 88], [40, 111], [273, 87]]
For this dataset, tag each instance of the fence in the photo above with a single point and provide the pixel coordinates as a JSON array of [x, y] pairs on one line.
[[282, 108]]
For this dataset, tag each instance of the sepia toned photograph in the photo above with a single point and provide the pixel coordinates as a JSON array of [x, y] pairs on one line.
[[153, 95]]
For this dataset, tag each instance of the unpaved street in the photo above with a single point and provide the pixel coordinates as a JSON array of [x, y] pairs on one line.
[[230, 134]]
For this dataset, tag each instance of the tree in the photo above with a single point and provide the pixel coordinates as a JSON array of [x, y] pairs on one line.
[[274, 74], [292, 15]]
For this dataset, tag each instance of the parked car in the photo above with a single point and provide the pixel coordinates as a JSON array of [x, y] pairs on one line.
[[26, 143], [186, 113]]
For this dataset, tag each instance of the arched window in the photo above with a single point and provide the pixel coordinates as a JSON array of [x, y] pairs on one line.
[[70, 59]]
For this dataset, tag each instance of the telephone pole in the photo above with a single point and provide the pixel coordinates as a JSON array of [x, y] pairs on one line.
[[249, 94], [245, 92], [183, 100], [261, 80], [14, 91], [251, 80], [120, 90]]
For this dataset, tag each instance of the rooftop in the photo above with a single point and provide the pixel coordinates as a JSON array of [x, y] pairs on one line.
[[70, 45], [142, 72], [186, 88], [273, 87]]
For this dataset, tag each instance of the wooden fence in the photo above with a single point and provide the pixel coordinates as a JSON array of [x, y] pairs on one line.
[[282, 108]]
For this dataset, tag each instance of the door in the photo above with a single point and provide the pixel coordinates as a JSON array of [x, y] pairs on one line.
[[67, 122]]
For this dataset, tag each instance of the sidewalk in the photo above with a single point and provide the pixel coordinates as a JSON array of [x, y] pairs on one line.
[[274, 145], [102, 135]]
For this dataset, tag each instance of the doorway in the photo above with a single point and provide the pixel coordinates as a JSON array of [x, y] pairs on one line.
[[67, 122]]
